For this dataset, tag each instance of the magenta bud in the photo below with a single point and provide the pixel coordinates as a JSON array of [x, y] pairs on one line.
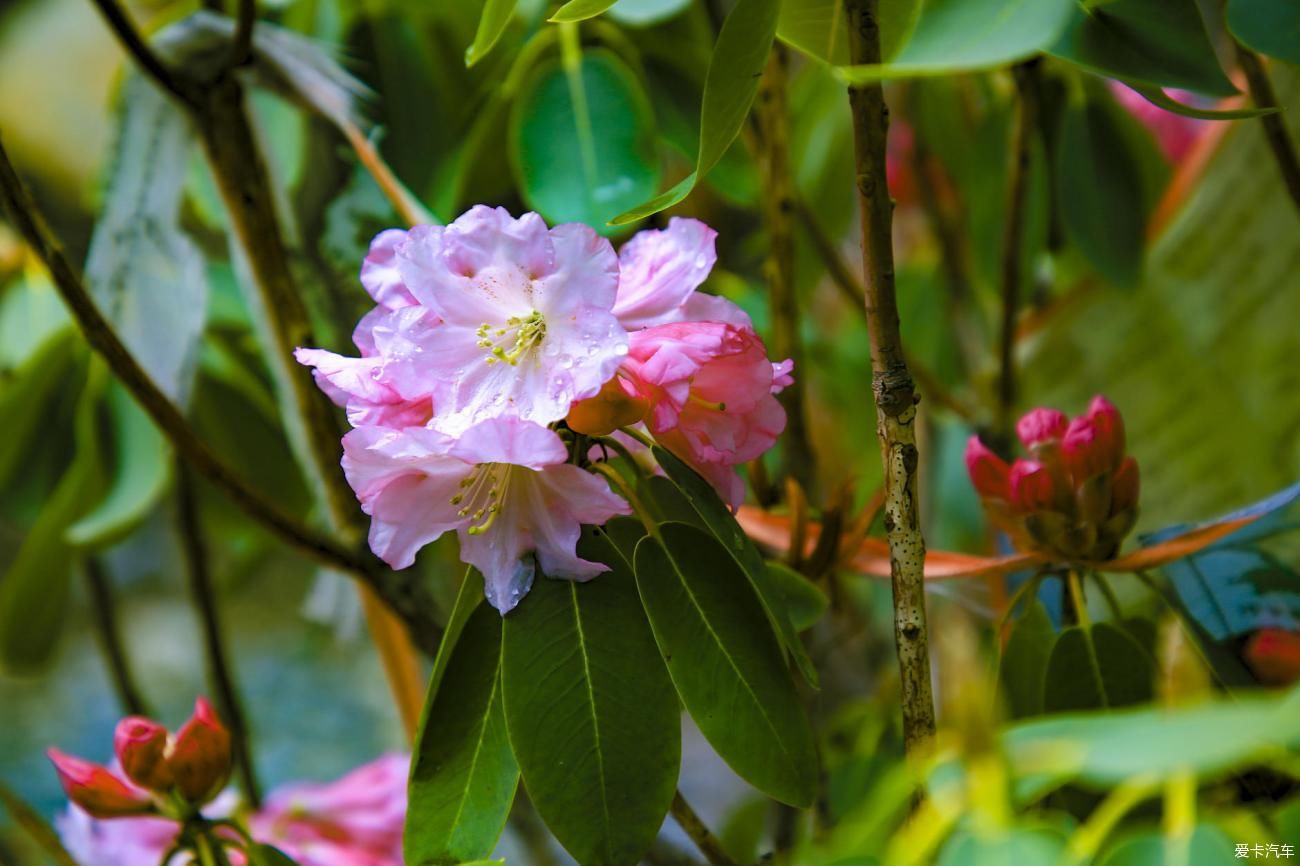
[[1041, 425], [200, 755], [1124, 486], [1109, 425], [1032, 487], [988, 472], [96, 790], [141, 746]]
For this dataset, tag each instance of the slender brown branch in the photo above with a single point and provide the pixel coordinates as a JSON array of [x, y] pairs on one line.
[[104, 612], [892, 383], [203, 597], [703, 838], [1013, 237], [401, 593], [1275, 129], [772, 121], [166, 77], [241, 49]]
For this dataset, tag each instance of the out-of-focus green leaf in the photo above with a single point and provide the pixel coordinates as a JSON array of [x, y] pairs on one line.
[[1096, 666], [1024, 661], [726, 662], [141, 472], [591, 711], [1161, 43], [1021, 847], [26, 395], [582, 140], [1159, 98], [496, 15], [1207, 846], [818, 28], [464, 774], [803, 600], [269, 855], [956, 35], [734, 72], [144, 273], [1267, 26], [580, 10], [643, 13], [1100, 192], [31, 313]]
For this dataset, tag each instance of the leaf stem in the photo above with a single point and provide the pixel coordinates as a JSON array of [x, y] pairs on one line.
[[203, 598], [1077, 599], [241, 49], [104, 611], [402, 594], [162, 74], [895, 394], [692, 826], [1275, 129], [625, 489]]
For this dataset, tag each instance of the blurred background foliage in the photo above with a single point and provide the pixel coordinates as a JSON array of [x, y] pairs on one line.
[[1161, 268]]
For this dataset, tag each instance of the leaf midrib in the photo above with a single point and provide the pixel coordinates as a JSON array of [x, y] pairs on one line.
[[478, 750], [595, 722]]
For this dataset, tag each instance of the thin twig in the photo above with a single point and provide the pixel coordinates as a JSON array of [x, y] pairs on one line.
[[772, 121], [401, 593], [892, 383], [203, 597], [241, 49], [1013, 237], [104, 611], [1275, 129], [166, 77], [703, 838]]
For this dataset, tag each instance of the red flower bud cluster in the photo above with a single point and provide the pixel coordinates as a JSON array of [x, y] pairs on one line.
[[1075, 496], [1274, 655], [160, 770]]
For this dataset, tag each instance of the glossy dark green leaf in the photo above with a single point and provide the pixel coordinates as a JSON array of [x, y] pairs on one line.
[[1096, 667], [1021, 847], [956, 35], [580, 10], [1207, 846], [140, 474], [725, 661], [464, 775], [818, 29], [729, 89], [1268, 26], [1161, 43], [1024, 661], [591, 711], [714, 515], [496, 15], [1099, 190], [803, 601], [582, 140], [1159, 98], [269, 855]]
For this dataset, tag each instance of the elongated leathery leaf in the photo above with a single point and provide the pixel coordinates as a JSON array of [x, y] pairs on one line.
[[591, 711], [463, 774], [725, 661]]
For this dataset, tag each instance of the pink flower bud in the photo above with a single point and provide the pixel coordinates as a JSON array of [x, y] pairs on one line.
[[1041, 425], [1124, 486], [1109, 425], [1032, 487], [988, 472], [141, 746], [1084, 451], [1274, 655], [96, 790], [200, 757]]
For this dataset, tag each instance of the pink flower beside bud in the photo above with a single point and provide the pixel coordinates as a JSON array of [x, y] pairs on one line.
[[1032, 487], [141, 746], [1274, 655], [200, 757], [96, 790], [1041, 425], [988, 472]]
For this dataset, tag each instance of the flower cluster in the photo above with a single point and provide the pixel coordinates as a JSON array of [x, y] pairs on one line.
[[161, 774], [1076, 495], [490, 333]]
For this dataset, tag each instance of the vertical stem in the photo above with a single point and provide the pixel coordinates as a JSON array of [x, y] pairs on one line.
[[892, 383], [104, 610], [202, 596], [244, 183], [772, 119], [703, 838], [1013, 236], [1275, 129]]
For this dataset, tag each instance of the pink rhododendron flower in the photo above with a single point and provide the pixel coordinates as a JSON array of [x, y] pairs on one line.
[[505, 487]]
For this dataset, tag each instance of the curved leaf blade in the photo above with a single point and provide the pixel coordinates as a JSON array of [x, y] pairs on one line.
[[728, 669], [1158, 97], [1267, 26], [591, 711], [1097, 666], [496, 15], [580, 10]]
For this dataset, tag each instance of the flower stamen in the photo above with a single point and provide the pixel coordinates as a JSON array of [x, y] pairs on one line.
[[528, 331]]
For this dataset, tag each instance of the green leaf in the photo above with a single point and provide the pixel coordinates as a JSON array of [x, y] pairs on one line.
[[1267, 26], [31, 314], [28, 394], [1098, 666], [715, 516], [1099, 187], [591, 712], [269, 855], [960, 35], [1024, 661], [725, 663], [1159, 43], [818, 28], [1207, 846], [1158, 97], [580, 10], [582, 140], [464, 774], [496, 15], [801, 599], [643, 13], [1021, 847], [729, 88], [141, 474]]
